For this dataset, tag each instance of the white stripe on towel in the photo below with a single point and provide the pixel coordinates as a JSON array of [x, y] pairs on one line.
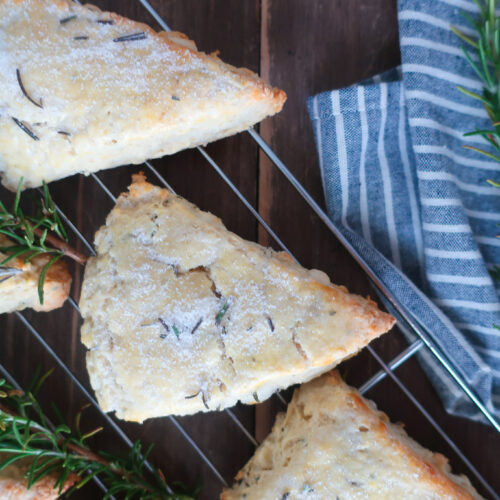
[[445, 103], [363, 187], [446, 228], [459, 280], [413, 15], [492, 353], [469, 304], [441, 202], [386, 179], [464, 186], [461, 160], [411, 41], [480, 214], [486, 240], [458, 134], [342, 153], [319, 142], [443, 75], [453, 254], [479, 328], [462, 4]]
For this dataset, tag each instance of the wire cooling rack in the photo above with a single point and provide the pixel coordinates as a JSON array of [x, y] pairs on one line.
[[405, 321]]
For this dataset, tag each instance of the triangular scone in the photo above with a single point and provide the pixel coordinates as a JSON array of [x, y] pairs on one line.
[[83, 90], [20, 290], [334, 444], [181, 315]]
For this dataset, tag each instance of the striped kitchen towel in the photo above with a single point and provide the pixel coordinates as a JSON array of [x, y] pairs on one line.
[[414, 202]]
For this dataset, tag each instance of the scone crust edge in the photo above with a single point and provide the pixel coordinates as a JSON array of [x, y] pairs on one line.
[[434, 468], [142, 193], [260, 101], [263, 90]]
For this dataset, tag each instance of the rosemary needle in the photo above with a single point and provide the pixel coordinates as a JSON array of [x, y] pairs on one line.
[[25, 93]]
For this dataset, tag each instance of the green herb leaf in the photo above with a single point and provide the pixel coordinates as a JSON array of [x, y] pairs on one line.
[[222, 312], [176, 331], [43, 273], [18, 196]]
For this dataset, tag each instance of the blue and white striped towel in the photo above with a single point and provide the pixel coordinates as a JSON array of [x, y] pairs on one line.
[[397, 179]]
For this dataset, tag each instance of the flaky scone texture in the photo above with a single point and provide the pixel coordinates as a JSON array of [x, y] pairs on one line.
[[83, 90], [181, 315], [14, 485], [21, 290], [334, 444]]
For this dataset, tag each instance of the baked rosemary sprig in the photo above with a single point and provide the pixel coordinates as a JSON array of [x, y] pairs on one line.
[[40, 234], [63, 452]]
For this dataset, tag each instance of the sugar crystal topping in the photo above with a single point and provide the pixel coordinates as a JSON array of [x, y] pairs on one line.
[[77, 65]]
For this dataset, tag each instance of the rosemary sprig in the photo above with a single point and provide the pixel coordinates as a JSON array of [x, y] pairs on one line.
[[62, 452], [41, 234], [486, 49], [486, 64]]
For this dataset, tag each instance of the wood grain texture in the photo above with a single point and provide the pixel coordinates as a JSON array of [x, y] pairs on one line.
[[304, 47]]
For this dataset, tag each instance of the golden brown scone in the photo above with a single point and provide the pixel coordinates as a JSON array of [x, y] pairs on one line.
[[334, 444], [87, 97], [13, 484], [181, 315], [21, 290]]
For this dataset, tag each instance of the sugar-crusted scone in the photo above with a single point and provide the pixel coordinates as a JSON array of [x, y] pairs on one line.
[[181, 315], [332, 443], [13, 483], [83, 90], [21, 290]]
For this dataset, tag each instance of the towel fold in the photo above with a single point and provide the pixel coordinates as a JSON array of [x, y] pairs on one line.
[[414, 202]]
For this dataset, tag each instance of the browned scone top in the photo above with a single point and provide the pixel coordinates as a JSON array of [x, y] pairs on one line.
[[332, 443], [181, 315], [13, 483], [82, 90], [21, 290]]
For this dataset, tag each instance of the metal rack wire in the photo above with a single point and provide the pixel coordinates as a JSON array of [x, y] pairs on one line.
[[405, 320]]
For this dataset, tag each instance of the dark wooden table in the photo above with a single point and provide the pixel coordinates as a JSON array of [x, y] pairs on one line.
[[304, 47]]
